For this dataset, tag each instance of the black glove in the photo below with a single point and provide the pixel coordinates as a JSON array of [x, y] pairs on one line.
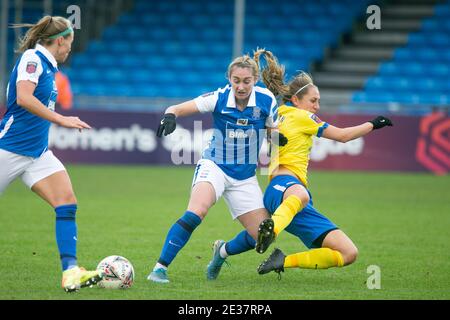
[[276, 137], [380, 122], [167, 125]]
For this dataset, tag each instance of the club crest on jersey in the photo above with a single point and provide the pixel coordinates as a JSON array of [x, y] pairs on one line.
[[315, 118], [31, 67], [242, 122], [256, 113]]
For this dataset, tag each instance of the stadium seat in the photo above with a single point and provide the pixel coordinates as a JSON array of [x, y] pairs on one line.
[[190, 44], [418, 73]]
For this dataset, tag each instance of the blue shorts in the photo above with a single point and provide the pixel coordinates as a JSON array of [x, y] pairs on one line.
[[309, 224]]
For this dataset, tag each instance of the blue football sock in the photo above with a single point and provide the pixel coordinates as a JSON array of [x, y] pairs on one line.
[[66, 235], [178, 236], [241, 243]]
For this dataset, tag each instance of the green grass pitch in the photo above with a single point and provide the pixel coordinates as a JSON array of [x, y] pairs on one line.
[[400, 223]]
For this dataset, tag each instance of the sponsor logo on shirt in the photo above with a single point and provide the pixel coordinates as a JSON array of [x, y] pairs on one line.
[[242, 122], [238, 134]]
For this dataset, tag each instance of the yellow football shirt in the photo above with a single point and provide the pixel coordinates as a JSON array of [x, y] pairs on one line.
[[299, 126]]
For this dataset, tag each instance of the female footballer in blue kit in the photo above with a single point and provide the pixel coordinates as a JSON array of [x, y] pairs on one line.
[[241, 111], [24, 130], [287, 197]]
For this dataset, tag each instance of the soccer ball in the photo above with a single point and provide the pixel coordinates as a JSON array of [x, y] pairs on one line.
[[119, 273]]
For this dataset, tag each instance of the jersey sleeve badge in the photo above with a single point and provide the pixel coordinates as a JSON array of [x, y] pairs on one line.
[[315, 118], [31, 67]]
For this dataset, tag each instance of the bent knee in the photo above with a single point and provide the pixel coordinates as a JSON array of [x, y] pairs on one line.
[[350, 255], [304, 198], [300, 192], [63, 199], [200, 209]]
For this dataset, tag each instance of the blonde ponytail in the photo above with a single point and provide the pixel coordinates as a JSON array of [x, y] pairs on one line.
[[273, 77], [42, 31], [273, 74]]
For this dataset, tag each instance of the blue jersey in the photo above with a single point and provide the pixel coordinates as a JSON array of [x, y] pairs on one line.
[[22, 132], [238, 135]]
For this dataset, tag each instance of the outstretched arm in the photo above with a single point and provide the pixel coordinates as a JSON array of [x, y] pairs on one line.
[[28, 101], [168, 123], [183, 109], [351, 133]]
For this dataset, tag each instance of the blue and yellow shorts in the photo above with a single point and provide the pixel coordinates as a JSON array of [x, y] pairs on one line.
[[309, 224]]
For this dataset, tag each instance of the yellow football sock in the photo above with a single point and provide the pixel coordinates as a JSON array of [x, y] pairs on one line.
[[286, 212], [322, 258]]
